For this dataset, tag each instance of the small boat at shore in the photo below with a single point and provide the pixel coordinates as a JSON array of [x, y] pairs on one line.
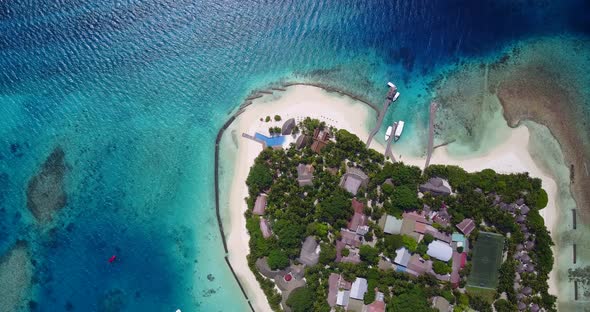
[[399, 128], [388, 133]]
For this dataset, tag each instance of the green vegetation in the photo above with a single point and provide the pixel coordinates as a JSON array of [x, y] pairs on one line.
[[267, 119], [487, 294], [391, 243], [369, 254], [487, 258], [414, 301], [274, 130], [440, 267], [410, 243], [277, 118], [323, 211], [277, 259], [301, 300], [479, 303], [502, 305], [327, 253], [259, 179], [336, 207], [405, 198], [506, 281]]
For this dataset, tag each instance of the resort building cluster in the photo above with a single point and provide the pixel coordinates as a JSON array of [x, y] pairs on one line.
[[440, 245]]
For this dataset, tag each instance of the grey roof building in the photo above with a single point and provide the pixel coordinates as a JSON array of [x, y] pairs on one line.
[[309, 253], [301, 142], [527, 291], [353, 179], [436, 186], [305, 174], [288, 126], [441, 304]]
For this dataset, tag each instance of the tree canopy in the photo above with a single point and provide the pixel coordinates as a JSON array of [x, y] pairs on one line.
[[410, 301], [369, 254], [336, 207], [301, 300], [277, 259], [259, 179], [405, 198]]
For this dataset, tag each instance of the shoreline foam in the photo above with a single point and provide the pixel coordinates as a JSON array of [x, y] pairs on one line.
[[511, 155]]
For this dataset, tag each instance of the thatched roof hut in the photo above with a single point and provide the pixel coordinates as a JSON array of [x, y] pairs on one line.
[[260, 205], [288, 126]]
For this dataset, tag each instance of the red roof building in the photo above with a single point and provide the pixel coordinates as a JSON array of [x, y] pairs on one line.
[[466, 226], [265, 228], [376, 306], [358, 206], [420, 227], [351, 239]]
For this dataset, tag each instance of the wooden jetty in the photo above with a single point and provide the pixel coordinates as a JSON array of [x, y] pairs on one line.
[[433, 107], [391, 97], [388, 152]]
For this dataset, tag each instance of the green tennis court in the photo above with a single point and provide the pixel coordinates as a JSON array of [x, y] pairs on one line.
[[487, 258]]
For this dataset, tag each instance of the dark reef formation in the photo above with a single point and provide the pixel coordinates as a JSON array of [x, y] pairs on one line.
[[113, 300], [544, 81], [548, 90], [46, 190]]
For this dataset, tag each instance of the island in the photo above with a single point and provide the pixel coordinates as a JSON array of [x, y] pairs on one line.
[[333, 225]]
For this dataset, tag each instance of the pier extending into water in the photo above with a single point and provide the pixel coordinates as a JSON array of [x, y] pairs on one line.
[[391, 97], [433, 107], [388, 152]]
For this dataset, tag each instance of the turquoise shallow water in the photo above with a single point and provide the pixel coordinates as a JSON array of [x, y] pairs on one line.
[[135, 91]]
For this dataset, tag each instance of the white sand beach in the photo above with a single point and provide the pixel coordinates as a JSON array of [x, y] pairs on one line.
[[344, 113]]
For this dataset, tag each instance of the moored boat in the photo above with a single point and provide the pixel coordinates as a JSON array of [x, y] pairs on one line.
[[399, 127], [388, 133]]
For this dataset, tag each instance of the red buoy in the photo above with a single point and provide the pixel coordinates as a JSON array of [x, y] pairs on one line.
[[112, 259]]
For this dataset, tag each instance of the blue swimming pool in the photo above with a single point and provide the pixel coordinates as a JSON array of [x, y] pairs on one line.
[[274, 141]]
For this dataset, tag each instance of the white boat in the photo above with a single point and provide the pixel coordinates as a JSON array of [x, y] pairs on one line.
[[388, 133], [395, 97], [398, 130]]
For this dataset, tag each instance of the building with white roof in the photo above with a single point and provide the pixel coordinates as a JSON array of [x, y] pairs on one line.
[[359, 288], [440, 250], [391, 224], [343, 297], [402, 256]]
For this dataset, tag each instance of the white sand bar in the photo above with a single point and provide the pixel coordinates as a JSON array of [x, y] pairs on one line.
[[342, 112]]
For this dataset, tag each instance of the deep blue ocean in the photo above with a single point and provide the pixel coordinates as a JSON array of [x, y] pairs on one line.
[[134, 93]]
